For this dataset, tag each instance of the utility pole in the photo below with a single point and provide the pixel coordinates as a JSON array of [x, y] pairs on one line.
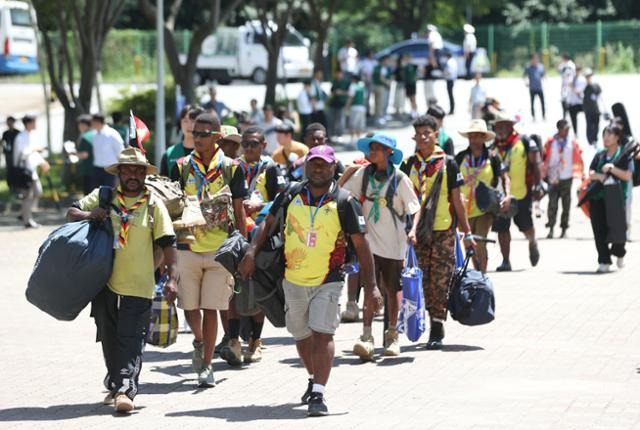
[[159, 143]]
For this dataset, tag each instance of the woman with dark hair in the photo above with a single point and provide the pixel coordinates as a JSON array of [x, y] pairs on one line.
[[608, 212]]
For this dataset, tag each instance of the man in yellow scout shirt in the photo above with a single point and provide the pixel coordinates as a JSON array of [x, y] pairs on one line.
[[520, 161], [319, 221], [122, 310], [436, 253], [478, 165], [205, 287]]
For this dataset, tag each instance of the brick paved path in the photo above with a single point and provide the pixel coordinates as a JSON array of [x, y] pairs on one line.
[[563, 353]]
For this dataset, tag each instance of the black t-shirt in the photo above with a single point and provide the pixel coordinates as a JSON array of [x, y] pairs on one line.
[[590, 102], [448, 147], [349, 209], [496, 164], [238, 184], [275, 179], [8, 137], [454, 177]]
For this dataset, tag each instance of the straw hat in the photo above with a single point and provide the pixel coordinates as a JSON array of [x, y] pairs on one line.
[[468, 28], [504, 117], [132, 157], [478, 126]]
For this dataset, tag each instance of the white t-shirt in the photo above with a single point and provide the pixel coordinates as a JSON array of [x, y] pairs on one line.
[[470, 43], [348, 57], [435, 40], [270, 134], [478, 95], [560, 168], [451, 69], [107, 145], [385, 238], [304, 103], [576, 92], [24, 153], [366, 69]]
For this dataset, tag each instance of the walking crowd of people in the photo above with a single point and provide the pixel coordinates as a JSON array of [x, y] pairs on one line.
[[330, 218]]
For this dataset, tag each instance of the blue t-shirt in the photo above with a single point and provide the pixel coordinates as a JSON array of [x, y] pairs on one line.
[[535, 72]]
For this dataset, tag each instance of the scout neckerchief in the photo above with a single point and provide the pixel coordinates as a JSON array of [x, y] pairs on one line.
[[504, 152], [605, 159], [204, 174], [427, 167], [378, 200], [252, 170], [562, 144], [312, 236], [473, 169], [125, 214]]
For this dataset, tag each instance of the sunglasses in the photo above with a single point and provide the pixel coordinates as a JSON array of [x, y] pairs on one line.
[[250, 143], [204, 133]]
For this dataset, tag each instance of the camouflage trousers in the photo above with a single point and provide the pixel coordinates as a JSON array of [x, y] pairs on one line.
[[436, 258]]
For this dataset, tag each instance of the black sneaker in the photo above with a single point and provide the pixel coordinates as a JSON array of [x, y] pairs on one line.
[[534, 255], [307, 394], [436, 334], [317, 406], [504, 267]]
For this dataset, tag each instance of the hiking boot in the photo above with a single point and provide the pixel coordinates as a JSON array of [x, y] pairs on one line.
[[550, 235], [307, 394], [317, 406], [108, 399], [222, 344], [197, 358], [504, 267], [563, 234], [352, 312], [206, 378], [232, 353], [436, 334], [364, 348], [603, 268], [254, 352], [391, 343], [123, 403], [620, 262], [534, 254]]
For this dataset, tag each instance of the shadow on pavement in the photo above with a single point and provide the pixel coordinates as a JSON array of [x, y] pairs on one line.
[[395, 361], [280, 340], [155, 356], [445, 348], [167, 388], [58, 412], [248, 413], [581, 272], [338, 361]]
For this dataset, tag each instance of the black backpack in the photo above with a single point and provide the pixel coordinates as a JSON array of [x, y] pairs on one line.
[[471, 297]]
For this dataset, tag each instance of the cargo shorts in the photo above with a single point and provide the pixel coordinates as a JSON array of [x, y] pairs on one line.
[[310, 309]]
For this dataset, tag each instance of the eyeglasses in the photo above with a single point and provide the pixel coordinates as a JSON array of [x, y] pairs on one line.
[[204, 133], [250, 143]]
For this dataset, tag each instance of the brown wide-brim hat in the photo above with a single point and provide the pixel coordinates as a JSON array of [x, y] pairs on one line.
[[132, 157], [478, 126]]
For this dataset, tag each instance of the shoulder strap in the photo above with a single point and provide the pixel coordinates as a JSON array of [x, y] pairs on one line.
[[184, 173], [365, 181], [342, 202], [292, 190], [105, 195]]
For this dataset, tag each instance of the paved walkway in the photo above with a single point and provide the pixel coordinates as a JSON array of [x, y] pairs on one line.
[[563, 353]]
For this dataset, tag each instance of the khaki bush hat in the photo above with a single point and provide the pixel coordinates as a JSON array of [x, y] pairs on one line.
[[478, 126], [504, 117], [230, 133], [133, 157]]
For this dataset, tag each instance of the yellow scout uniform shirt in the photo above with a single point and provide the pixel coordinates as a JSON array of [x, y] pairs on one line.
[[486, 169], [514, 160], [133, 269]]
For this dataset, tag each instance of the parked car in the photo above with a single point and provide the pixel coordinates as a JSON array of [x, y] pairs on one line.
[[237, 53], [419, 51], [19, 44]]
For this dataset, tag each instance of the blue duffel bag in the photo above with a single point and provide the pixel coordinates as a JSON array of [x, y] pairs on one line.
[[412, 313], [471, 297], [74, 264]]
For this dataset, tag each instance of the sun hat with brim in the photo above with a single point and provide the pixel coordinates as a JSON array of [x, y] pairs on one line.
[[132, 157], [364, 145], [229, 132], [468, 28], [478, 126], [504, 117]]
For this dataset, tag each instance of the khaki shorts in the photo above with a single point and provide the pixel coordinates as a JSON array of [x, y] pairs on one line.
[[312, 308], [203, 282]]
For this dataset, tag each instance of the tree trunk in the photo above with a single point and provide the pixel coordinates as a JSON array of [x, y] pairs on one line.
[[272, 77], [318, 56], [70, 131]]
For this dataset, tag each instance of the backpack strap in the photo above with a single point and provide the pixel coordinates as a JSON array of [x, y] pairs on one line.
[[389, 195], [184, 172], [105, 196]]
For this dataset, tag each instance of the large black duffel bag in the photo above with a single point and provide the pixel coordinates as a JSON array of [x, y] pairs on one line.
[[74, 264], [471, 298]]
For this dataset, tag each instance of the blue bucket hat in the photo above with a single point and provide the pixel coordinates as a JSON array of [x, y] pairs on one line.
[[384, 140]]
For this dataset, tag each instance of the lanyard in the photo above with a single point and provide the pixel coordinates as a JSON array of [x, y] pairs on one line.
[[312, 214]]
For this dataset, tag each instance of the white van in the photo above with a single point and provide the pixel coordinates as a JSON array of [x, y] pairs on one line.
[[17, 38], [237, 53]]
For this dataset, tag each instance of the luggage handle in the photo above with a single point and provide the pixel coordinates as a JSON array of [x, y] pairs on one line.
[[411, 259]]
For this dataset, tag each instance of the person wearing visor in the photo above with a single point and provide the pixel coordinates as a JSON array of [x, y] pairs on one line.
[[321, 218], [387, 197]]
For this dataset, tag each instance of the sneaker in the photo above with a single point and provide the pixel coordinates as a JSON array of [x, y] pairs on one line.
[[563, 234], [31, 224], [504, 267], [534, 255], [123, 403], [391, 343], [604, 268], [364, 348], [254, 352], [222, 344], [620, 262], [232, 353], [108, 399], [317, 406], [550, 235], [436, 334], [197, 358], [307, 394], [205, 378], [352, 312]]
